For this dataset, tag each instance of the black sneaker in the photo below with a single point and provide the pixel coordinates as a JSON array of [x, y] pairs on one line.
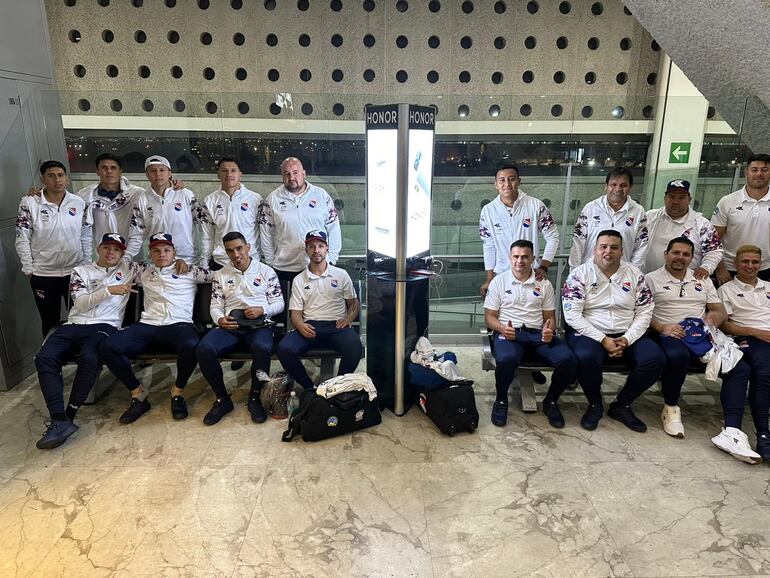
[[590, 420], [553, 413], [135, 410], [258, 413], [219, 410], [763, 446], [56, 433], [624, 415], [178, 407], [499, 413]]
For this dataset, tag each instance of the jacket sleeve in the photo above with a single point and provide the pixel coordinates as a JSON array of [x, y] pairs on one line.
[[711, 247], [207, 234], [275, 303], [217, 306], [487, 242], [333, 231], [642, 311], [82, 300], [24, 230], [87, 234], [579, 240], [639, 254], [266, 229], [135, 232], [202, 274], [550, 232], [573, 298]]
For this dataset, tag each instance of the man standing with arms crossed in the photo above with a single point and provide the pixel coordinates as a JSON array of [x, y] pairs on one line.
[[232, 208], [53, 235], [743, 217], [289, 212], [511, 216], [520, 311]]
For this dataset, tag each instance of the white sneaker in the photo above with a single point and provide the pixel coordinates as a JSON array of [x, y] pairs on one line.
[[671, 416], [736, 443]]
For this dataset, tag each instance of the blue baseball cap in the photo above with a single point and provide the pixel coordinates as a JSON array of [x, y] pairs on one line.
[[161, 239], [316, 236], [114, 239], [678, 185], [696, 336]]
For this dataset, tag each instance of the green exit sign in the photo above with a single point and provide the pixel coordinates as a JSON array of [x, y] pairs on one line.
[[679, 153]]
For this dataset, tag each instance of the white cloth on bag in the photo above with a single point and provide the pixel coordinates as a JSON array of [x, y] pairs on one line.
[[424, 354], [723, 356], [347, 382]]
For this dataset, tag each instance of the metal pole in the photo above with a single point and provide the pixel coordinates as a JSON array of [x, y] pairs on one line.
[[565, 209], [402, 165]]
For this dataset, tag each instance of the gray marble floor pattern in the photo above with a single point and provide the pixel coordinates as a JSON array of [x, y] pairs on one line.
[[167, 498]]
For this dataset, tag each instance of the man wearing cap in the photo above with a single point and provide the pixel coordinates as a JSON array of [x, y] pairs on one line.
[[747, 301], [615, 210], [53, 235], [678, 295], [608, 306], [520, 311], [244, 294], [510, 216], [677, 219], [163, 209], [323, 306], [169, 295], [289, 212], [743, 217], [100, 291], [231, 208]]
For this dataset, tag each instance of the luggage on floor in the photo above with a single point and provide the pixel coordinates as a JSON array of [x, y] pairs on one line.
[[451, 408], [319, 418]]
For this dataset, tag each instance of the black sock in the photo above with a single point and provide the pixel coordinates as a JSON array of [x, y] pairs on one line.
[[71, 411], [59, 417], [255, 391]]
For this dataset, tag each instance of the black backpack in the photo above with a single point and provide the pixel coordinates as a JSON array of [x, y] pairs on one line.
[[318, 418], [451, 408]]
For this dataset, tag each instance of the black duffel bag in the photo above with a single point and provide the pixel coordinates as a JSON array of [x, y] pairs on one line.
[[318, 418]]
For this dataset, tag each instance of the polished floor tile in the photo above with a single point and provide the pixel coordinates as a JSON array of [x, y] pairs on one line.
[[177, 498]]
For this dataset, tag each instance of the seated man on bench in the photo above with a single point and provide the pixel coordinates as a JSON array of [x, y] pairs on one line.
[[167, 319], [323, 305], [520, 311], [245, 294], [608, 307], [100, 292]]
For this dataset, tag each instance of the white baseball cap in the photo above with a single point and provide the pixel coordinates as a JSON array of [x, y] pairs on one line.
[[157, 160]]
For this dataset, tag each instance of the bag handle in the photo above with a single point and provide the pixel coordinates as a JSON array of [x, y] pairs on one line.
[[294, 427]]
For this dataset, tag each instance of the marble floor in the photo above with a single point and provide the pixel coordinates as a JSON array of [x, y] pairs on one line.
[[166, 498]]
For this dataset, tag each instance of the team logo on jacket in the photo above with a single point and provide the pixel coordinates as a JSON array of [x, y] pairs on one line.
[[244, 206], [597, 218], [509, 291], [73, 211], [173, 276], [629, 221], [312, 203], [537, 291], [334, 283], [119, 276], [626, 286], [177, 206], [767, 294], [698, 287], [257, 282], [667, 288], [527, 222], [687, 233], [332, 421], [230, 282]]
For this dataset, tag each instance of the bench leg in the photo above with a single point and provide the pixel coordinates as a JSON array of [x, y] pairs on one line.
[[527, 391], [327, 369]]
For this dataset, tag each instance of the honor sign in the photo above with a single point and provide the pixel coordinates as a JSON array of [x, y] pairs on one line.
[[399, 177]]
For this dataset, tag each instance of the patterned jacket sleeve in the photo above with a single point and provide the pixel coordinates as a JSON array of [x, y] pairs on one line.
[[136, 231], [275, 303], [87, 234], [82, 300], [550, 232], [639, 254], [573, 297], [579, 240], [24, 230], [217, 306], [207, 234], [711, 247], [642, 311], [266, 230], [487, 242], [333, 230]]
